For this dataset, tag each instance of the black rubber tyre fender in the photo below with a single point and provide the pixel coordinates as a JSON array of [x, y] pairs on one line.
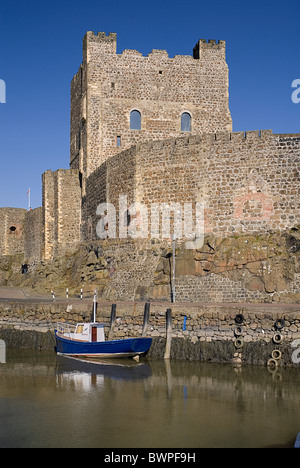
[[238, 331], [272, 363], [239, 343], [239, 319], [277, 338], [276, 354], [279, 324]]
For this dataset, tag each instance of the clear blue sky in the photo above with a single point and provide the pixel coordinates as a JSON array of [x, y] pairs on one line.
[[41, 50]]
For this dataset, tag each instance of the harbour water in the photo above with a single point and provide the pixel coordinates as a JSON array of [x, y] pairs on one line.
[[51, 401]]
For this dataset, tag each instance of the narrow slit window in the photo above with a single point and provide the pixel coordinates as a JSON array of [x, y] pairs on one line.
[[135, 120], [118, 141], [186, 122]]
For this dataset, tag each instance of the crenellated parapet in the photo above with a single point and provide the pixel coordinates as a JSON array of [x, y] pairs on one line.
[[101, 38], [211, 138], [206, 49], [100, 43], [109, 86]]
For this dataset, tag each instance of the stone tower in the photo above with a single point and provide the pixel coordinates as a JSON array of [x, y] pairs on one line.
[[119, 100]]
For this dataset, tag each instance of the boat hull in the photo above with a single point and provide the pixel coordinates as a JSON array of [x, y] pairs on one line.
[[128, 347]]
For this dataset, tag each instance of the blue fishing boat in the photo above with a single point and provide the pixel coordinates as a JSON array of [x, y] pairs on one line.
[[88, 340]]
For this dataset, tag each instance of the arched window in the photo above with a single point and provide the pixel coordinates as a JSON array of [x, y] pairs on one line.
[[186, 122], [135, 120]]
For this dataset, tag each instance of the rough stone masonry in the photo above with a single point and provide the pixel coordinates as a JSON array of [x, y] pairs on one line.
[[158, 131]]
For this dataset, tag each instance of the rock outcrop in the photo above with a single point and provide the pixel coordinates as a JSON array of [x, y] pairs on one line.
[[251, 268]]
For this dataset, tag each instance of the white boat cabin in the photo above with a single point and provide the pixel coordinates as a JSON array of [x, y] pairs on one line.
[[89, 332]]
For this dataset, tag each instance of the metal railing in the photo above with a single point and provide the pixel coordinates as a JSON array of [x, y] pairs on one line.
[[66, 329]]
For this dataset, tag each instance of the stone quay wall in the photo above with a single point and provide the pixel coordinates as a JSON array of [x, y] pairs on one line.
[[233, 334]]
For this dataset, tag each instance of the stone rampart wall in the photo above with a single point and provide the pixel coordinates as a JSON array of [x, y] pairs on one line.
[[12, 231], [115, 177], [248, 182], [33, 239], [61, 211]]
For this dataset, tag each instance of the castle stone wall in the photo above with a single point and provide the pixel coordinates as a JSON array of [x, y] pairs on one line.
[[248, 182], [108, 86], [61, 211], [33, 239], [12, 231], [115, 177]]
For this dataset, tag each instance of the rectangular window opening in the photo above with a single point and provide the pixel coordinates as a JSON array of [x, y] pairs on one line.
[[118, 141]]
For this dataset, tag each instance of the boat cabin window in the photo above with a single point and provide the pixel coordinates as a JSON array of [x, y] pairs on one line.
[[82, 328]]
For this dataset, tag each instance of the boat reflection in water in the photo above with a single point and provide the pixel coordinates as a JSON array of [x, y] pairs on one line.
[[2, 352], [59, 402], [86, 373]]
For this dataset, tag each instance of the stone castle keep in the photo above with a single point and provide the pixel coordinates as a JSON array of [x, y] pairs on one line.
[[158, 130]]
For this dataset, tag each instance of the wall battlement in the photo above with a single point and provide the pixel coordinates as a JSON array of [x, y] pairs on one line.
[[204, 48], [288, 136], [111, 39], [238, 137], [232, 138], [93, 45], [101, 36], [109, 86]]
